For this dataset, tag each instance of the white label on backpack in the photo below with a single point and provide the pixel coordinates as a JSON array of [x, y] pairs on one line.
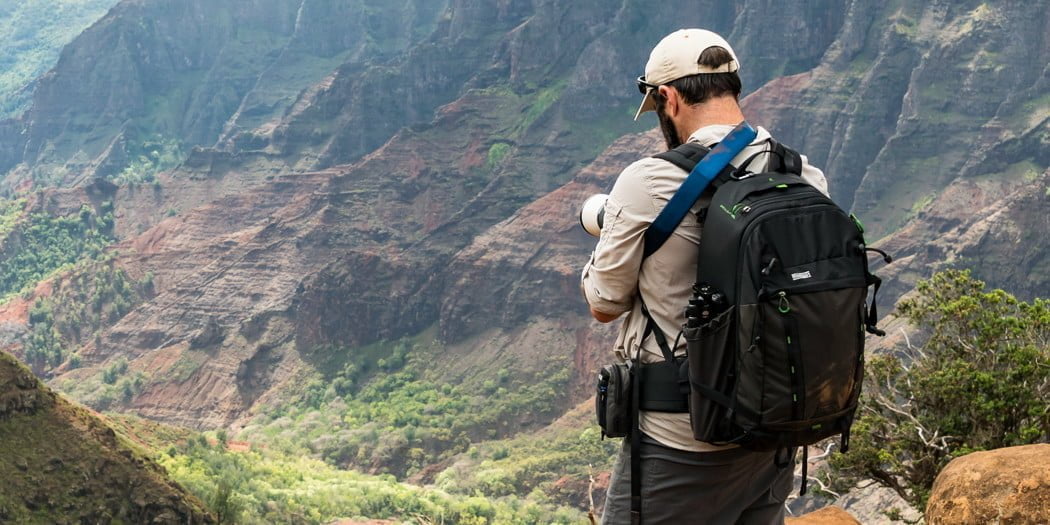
[[801, 275]]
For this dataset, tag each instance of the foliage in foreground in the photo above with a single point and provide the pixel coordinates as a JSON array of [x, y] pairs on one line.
[[270, 487], [981, 381], [552, 466]]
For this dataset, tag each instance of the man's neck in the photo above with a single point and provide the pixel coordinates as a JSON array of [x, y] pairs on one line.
[[721, 110]]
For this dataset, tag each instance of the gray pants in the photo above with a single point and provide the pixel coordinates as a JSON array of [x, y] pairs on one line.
[[705, 488]]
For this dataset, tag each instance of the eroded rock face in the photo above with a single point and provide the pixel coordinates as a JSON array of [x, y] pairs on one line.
[[194, 72], [1008, 485]]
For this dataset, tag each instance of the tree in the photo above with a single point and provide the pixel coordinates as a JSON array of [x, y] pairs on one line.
[[980, 381], [223, 502]]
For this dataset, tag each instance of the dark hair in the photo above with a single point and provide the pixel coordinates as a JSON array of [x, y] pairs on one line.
[[695, 89]]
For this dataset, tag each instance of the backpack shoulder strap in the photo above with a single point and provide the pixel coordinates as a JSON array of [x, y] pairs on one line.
[[684, 156], [713, 163]]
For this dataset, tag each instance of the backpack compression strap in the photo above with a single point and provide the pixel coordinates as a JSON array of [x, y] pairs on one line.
[[710, 166]]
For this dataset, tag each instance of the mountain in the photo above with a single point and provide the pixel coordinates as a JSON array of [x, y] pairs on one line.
[[358, 218], [63, 464], [286, 80], [33, 34]]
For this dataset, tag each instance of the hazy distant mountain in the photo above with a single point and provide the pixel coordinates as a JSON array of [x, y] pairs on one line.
[[32, 33]]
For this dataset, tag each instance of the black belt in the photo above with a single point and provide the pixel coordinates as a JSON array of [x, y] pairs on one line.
[[665, 387]]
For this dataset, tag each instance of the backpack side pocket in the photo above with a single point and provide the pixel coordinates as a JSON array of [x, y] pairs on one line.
[[711, 365]]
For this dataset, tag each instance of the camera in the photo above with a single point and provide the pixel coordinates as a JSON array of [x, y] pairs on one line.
[[592, 214]]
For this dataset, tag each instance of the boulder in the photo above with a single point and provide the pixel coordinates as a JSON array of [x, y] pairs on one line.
[[825, 516], [1008, 485]]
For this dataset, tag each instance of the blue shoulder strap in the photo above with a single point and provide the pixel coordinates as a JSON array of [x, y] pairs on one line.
[[703, 173]]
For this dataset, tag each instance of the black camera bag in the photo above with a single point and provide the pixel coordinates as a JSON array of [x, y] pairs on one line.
[[613, 400]]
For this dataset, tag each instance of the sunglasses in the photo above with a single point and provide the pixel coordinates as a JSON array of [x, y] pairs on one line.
[[643, 86]]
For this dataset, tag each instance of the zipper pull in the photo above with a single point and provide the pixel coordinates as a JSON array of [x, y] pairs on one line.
[[783, 306], [769, 267]]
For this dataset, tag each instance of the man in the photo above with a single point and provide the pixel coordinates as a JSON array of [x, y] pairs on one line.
[[691, 82]]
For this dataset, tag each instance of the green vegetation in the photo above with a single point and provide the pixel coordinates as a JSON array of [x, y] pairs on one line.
[[553, 467], [96, 295], [542, 101], [497, 152], [62, 464], [47, 243], [393, 414], [271, 487], [152, 156], [10, 212], [387, 411], [34, 33], [978, 383], [43, 346]]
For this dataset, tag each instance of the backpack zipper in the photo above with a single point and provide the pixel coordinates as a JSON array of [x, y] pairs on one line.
[[758, 218]]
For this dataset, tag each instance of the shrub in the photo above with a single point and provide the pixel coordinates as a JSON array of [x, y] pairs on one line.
[[981, 381]]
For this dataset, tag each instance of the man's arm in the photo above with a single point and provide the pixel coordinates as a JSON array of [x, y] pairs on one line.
[[602, 317], [610, 278]]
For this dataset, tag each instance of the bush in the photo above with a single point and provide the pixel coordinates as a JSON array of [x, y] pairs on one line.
[[83, 301], [47, 243], [271, 487], [981, 381]]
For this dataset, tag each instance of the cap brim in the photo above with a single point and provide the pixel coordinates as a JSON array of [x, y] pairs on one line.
[[648, 104]]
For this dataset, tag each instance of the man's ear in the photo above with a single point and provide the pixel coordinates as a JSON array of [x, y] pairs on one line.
[[671, 100]]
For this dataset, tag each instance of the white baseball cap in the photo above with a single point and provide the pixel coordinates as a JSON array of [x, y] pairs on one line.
[[677, 56]]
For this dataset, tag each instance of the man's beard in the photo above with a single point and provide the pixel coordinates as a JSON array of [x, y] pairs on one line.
[[669, 130]]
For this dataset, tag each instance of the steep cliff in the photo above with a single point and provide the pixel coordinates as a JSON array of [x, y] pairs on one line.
[[185, 74], [913, 96], [62, 464], [34, 33]]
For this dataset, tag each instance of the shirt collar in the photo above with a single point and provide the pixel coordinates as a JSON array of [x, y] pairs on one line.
[[709, 135]]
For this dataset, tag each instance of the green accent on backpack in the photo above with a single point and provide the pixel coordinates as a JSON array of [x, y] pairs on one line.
[[732, 213]]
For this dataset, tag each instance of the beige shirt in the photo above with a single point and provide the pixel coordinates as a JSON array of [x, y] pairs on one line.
[[616, 273]]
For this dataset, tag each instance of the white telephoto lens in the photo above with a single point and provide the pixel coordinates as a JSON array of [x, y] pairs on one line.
[[592, 215]]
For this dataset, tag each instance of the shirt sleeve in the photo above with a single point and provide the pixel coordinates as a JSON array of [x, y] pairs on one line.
[[610, 278], [814, 176]]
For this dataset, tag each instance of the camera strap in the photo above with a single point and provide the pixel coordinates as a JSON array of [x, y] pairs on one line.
[[713, 163], [636, 442], [637, 386]]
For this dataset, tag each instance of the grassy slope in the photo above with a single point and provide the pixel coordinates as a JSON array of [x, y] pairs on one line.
[[62, 464], [33, 34], [390, 411], [250, 483]]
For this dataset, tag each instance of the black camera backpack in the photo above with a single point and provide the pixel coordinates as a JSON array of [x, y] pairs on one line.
[[782, 366]]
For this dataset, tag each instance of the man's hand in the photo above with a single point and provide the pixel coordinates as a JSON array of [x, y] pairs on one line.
[[603, 317]]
